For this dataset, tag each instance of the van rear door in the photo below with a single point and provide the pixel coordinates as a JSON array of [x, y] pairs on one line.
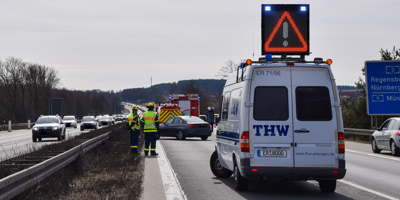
[[270, 124], [314, 120]]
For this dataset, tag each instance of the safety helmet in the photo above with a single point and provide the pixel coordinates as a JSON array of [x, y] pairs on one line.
[[150, 105], [134, 107]]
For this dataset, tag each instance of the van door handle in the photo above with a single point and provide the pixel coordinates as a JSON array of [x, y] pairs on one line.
[[302, 131]]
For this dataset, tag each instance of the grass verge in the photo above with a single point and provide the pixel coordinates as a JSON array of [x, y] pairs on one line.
[[110, 171]]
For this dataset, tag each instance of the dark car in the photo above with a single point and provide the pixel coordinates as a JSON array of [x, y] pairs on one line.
[[48, 126], [185, 126], [88, 122]]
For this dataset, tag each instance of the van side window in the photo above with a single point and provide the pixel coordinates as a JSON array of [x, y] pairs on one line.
[[234, 104], [313, 104], [271, 103], [225, 106]]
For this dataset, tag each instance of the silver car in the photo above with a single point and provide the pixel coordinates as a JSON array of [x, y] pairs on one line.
[[387, 137]]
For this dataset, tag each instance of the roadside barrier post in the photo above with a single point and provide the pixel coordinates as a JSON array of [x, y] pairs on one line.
[[29, 124], [9, 126]]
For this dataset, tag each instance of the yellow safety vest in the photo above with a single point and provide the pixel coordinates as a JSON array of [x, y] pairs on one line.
[[135, 120], [150, 121]]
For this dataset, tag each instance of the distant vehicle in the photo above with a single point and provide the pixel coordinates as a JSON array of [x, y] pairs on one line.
[[105, 120], [112, 117], [189, 103], [70, 121], [119, 117], [48, 126], [88, 122], [387, 137], [185, 126], [203, 117], [98, 118], [126, 115], [167, 111]]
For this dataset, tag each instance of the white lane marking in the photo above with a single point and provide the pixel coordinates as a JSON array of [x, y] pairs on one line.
[[374, 155], [173, 189], [368, 190]]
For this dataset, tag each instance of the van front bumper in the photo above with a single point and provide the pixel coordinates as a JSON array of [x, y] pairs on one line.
[[293, 173]]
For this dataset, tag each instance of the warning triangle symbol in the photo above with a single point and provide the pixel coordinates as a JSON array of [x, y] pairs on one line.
[[302, 48]]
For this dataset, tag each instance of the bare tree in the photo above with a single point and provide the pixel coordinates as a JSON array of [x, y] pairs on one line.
[[229, 67]]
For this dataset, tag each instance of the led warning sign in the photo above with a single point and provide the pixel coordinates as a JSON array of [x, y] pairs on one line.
[[285, 29]]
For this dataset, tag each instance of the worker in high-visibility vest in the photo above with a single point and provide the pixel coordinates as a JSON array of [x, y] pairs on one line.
[[150, 124], [133, 125]]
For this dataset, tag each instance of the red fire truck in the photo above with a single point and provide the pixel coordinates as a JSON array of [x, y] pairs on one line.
[[167, 111], [189, 104]]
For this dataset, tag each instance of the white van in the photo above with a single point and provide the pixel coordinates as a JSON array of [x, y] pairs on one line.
[[281, 119]]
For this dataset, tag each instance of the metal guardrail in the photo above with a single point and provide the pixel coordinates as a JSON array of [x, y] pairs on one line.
[[354, 131], [14, 184]]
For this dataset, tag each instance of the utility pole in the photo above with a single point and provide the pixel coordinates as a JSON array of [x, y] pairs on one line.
[[151, 81]]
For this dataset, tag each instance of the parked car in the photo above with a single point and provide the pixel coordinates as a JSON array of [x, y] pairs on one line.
[[105, 120], [185, 126], [387, 137], [48, 126], [70, 121], [88, 122]]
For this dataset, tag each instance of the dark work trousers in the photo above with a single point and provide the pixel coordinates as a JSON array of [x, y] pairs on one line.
[[149, 140], [134, 140]]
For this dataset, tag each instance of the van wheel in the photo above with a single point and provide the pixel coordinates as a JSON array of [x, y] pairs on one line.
[[394, 149], [217, 169], [180, 135], [327, 186], [374, 146], [204, 137], [241, 183]]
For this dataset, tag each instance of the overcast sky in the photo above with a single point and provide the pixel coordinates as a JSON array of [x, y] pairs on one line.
[[119, 44]]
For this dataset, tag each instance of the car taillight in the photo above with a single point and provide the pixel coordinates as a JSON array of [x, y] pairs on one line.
[[191, 126], [244, 142], [209, 126], [398, 133], [341, 142]]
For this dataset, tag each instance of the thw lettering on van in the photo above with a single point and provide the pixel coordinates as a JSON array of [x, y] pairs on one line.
[[269, 130]]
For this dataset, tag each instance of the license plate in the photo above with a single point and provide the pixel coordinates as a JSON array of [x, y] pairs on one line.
[[272, 153]]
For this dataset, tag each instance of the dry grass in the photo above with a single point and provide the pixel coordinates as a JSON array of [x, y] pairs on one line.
[[109, 171]]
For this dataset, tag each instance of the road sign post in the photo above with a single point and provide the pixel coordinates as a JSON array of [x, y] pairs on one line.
[[382, 80]]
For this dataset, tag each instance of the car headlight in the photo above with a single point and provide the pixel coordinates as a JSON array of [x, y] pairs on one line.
[[35, 128], [55, 128]]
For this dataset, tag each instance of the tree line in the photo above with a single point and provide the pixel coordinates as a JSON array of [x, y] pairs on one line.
[[26, 88]]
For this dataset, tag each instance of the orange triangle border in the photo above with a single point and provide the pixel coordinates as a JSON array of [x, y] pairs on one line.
[[284, 49]]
